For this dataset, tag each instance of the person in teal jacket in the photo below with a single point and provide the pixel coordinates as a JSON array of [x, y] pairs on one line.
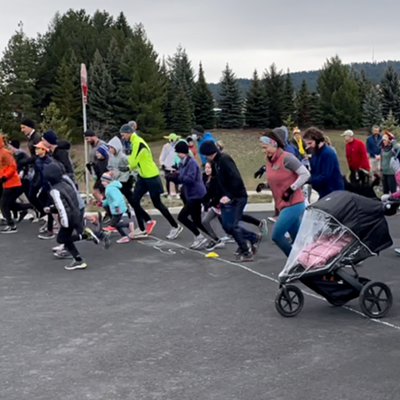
[[114, 199]]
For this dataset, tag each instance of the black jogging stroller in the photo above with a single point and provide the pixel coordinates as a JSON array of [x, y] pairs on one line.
[[337, 233]]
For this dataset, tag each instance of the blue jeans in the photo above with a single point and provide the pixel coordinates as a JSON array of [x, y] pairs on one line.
[[232, 214], [289, 220]]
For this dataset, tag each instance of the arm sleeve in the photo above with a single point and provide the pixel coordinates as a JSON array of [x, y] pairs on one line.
[[62, 212], [293, 164]]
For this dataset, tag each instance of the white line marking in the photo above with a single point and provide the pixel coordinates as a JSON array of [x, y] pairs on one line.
[[378, 321]]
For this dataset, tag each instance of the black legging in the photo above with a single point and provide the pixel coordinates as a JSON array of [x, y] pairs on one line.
[[9, 203], [251, 220], [142, 187], [192, 208]]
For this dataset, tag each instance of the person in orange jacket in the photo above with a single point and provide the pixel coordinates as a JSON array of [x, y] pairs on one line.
[[12, 188]]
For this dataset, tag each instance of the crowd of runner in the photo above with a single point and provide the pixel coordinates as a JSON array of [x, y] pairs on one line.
[[42, 182]]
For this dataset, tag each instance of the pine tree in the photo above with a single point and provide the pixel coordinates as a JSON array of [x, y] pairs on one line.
[[101, 99], [315, 113], [19, 73], [181, 111], [288, 102], [372, 108], [391, 124], [256, 114], [303, 106], [141, 88], [203, 102], [390, 89], [67, 94], [53, 120], [231, 116], [274, 88]]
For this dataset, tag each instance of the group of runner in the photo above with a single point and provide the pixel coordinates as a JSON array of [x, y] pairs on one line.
[[196, 168]]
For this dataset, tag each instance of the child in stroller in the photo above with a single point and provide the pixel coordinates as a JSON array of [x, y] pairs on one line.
[[338, 231]]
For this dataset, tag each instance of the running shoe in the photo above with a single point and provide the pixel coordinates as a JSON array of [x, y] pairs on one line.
[[9, 229], [255, 246], [175, 232], [272, 219], [89, 235], [47, 235], [124, 239], [150, 226], [109, 229], [63, 255], [263, 227], [248, 257], [215, 245], [238, 251], [58, 248], [199, 242], [397, 251], [76, 265], [138, 234], [228, 239]]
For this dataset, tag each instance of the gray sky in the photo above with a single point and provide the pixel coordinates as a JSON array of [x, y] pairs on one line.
[[295, 34]]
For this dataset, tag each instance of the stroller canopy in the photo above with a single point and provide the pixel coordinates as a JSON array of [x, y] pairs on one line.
[[364, 217]]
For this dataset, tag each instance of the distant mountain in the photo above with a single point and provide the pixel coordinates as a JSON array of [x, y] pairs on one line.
[[373, 71]]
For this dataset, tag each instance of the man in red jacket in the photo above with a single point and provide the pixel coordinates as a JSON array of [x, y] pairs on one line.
[[357, 158]]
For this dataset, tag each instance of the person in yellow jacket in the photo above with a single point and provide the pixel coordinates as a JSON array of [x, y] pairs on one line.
[[149, 180]]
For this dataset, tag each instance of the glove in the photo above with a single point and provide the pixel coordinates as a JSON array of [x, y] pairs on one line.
[[260, 172], [3, 179], [288, 194], [261, 186], [89, 167]]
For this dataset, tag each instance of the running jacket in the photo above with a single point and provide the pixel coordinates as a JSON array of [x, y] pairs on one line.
[[8, 167], [141, 158]]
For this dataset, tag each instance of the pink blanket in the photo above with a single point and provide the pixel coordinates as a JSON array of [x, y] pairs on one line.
[[317, 254]]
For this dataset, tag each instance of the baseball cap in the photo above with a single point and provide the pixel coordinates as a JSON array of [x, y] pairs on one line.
[[172, 136], [347, 133], [42, 146]]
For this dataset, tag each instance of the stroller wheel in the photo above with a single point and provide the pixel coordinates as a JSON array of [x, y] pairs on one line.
[[289, 301], [375, 299]]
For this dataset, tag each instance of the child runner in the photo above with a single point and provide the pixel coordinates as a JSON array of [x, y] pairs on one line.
[[99, 168]]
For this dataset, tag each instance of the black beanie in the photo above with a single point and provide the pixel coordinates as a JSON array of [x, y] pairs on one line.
[[89, 133], [29, 123], [15, 144], [208, 147], [199, 129], [182, 147], [50, 137]]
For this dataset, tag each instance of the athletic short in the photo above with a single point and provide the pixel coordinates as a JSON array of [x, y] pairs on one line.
[[152, 185]]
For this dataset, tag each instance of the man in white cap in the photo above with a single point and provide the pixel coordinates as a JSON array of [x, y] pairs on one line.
[[357, 158]]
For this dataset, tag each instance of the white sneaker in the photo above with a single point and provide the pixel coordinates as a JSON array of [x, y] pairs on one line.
[[174, 233], [227, 239], [58, 248], [199, 241], [272, 219], [138, 234]]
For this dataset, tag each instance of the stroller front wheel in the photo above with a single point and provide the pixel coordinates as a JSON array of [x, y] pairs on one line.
[[375, 299], [289, 301]]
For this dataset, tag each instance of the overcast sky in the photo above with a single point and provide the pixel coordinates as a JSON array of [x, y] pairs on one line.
[[247, 34]]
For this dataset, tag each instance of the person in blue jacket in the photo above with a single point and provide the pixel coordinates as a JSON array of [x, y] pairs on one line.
[[202, 136], [190, 177], [326, 176], [374, 149]]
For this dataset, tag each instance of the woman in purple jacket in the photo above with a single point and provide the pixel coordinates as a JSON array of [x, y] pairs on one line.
[[190, 177]]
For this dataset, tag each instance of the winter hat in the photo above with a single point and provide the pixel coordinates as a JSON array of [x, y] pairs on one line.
[[106, 177], [15, 144], [89, 133], [199, 129], [103, 150], [29, 123], [208, 147], [281, 133], [182, 147], [50, 137], [126, 128], [348, 133]]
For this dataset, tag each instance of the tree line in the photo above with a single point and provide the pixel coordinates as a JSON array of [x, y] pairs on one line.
[[40, 79]]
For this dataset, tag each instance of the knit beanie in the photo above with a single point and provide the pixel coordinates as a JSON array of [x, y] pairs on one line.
[[106, 177], [103, 150], [126, 128], [199, 129], [29, 123], [15, 144], [182, 147], [50, 137], [208, 147], [89, 133]]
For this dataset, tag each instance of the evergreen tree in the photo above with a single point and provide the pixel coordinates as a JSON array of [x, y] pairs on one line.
[[203, 102], [67, 94], [390, 89], [231, 116], [181, 111], [53, 120], [141, 87], [372, 108], [288, 102], [315, 113], [101, 99], [303, 106], [256, 114], [391, 124], [19, 73], [274, 88], [339, 95]]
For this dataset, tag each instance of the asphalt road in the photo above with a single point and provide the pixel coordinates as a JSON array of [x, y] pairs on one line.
[[154, 320]]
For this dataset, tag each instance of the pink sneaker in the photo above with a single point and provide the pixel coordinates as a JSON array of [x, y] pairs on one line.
[[150, 226], [124, 239]]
